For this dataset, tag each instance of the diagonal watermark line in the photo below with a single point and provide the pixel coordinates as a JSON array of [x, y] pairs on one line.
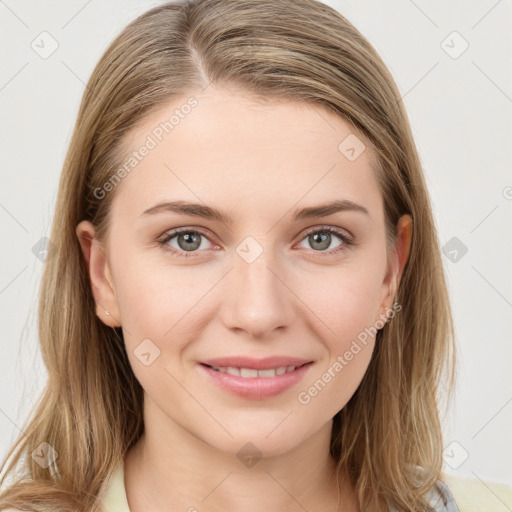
[[323, 118], [424, 14], [85, 85], [2, 1], [222, 481], [306, 193], [74, 73], [199, 403], [14, 423], [198, 301], [485, 14], [491, 285], [14, 76], [227, 227], [291, 496], [280, 423], [418, 82], [484, 218], [76, 14], [13, 279], [14, 218], [491, 490], [492, 81], [301, 300], [503, 407]]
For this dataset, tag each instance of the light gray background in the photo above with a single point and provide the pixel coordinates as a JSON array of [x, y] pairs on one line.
[[460, 110]]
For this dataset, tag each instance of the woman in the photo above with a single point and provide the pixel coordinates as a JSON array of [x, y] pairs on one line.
[[246, 307]]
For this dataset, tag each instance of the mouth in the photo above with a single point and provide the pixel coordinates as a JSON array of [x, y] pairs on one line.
[[252, 373], [252, 383]]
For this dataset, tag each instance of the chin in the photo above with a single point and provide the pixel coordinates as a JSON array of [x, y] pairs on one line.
[[255, 444]]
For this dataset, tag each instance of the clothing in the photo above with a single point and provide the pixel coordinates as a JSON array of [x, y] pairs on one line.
[[454, 494], [442, 499]]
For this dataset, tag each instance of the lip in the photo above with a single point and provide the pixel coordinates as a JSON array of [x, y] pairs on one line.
[[256, 364], [257, 388]]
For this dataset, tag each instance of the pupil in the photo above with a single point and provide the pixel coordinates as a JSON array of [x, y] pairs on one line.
[[322, 239], [189, 238]]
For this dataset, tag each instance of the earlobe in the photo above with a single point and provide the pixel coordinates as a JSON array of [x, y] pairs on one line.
[[100, 277]]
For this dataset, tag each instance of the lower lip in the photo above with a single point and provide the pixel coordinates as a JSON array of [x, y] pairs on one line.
[[257, 388]]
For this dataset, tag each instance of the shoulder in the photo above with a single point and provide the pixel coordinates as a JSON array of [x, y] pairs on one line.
[[454, 493], [441, 499], [466, 494]]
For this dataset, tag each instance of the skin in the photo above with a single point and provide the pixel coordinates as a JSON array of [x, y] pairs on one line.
[[258, 162]]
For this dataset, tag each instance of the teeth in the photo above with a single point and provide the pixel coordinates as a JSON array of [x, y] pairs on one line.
[[251, 373], [248, 372], [266, 373]]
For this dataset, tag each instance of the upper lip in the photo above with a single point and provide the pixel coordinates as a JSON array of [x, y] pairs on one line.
[[257, 364]]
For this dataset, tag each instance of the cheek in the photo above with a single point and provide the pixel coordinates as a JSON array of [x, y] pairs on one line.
[[347, 307], [159, 310], [157, 302], [345, 301]]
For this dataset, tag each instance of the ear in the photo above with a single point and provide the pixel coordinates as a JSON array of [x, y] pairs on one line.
[[100, 276], [397, 262]]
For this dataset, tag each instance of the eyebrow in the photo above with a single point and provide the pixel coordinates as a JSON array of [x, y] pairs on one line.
[[207, 212]]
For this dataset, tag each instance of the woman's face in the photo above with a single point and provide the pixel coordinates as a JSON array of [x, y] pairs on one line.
[[256, 272]]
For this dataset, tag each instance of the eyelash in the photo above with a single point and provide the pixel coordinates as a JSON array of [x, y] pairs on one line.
[[345, 238]]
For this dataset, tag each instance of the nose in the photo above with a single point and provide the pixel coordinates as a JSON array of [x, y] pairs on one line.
[[259, 297]]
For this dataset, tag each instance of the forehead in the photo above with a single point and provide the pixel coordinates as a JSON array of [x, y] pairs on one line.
[[231, 149]]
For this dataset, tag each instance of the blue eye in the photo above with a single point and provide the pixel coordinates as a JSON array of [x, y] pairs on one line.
[[190, 240]]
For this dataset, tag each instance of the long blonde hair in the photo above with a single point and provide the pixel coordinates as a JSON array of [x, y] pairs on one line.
[[90, 411]]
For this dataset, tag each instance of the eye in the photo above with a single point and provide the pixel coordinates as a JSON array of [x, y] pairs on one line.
[[322, 237], [188, 241]]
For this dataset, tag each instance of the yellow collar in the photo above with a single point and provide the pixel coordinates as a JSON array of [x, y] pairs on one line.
[[114, 497]]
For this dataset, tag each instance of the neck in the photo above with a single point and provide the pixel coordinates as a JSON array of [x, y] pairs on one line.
[[169, 465]]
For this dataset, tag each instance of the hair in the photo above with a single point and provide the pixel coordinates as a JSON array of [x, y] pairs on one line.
[[91, 409]]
